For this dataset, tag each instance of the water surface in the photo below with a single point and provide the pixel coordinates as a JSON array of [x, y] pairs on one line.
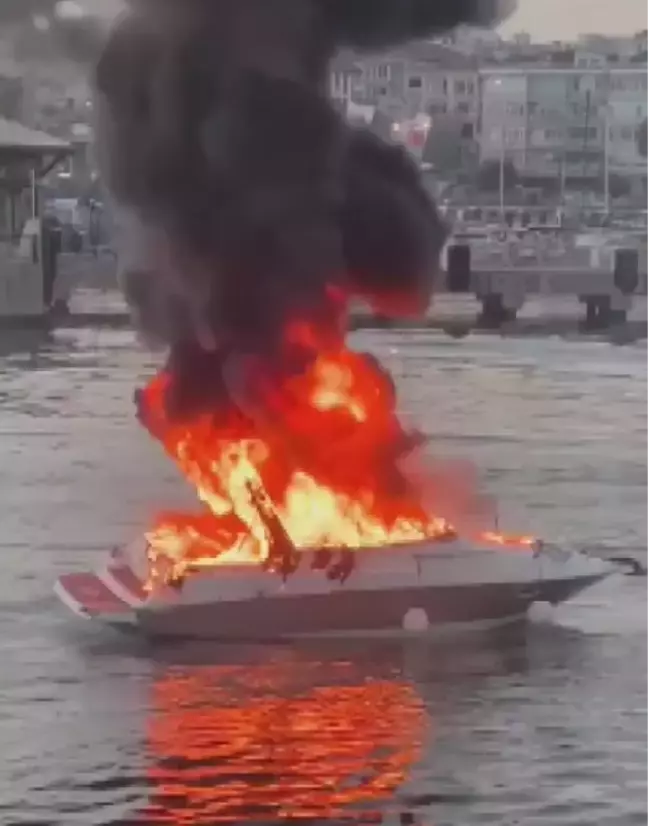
[[542, 728]]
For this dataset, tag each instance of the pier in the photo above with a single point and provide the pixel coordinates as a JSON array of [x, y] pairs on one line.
[[593, 292], [456, 315], [604, 271]]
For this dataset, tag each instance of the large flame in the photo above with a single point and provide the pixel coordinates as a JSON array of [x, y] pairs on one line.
[[319, 466]]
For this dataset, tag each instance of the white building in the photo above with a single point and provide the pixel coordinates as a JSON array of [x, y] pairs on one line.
[[627, 107], [344, 77], [551, 121], [425, 79], [472, 40], [619, 47]]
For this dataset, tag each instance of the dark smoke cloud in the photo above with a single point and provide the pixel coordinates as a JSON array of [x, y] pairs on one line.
[[216, 132], [377, 24], [391, 233], [20, 10]]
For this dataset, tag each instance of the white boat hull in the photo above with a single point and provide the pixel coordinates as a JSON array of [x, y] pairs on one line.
[[409, 589]]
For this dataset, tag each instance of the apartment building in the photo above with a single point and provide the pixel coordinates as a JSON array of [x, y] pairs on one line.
[[345, 75], [425, 78], [557, 121], [618, 47], [473, 40], [627, 107]]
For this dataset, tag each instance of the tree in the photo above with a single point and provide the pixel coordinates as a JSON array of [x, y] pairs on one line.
[[443, 148], [619, 186], [642, 138], [488, 177]]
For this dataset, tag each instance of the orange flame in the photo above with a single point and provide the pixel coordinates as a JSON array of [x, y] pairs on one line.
[[321, 464]]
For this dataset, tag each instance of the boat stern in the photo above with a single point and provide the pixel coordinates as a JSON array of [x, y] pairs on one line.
[[113, 594], [88, 596]]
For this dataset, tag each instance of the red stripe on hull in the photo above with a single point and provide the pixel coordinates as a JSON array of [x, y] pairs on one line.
[[92, 595], [124, 575]]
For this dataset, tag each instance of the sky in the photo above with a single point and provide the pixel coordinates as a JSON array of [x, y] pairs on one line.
[[544, 19], [566, 19]]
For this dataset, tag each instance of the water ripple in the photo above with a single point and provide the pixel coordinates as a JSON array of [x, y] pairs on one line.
[[548, 727]]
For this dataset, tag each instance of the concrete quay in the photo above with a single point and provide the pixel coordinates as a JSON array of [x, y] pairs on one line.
[[455, 315]]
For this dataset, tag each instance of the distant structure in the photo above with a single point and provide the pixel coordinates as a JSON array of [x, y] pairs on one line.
[[565, 115], [579, 123], [51, 95]]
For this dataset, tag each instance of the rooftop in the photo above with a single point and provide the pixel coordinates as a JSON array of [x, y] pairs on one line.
[[16, 136], [534, 67], [425, 51], [346, 61]]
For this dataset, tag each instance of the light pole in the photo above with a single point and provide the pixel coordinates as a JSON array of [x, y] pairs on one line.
[[606, 160], [501, 174], [500, 107]]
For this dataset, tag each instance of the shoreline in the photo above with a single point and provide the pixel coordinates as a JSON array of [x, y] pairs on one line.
[[456, 326], [456, 316]]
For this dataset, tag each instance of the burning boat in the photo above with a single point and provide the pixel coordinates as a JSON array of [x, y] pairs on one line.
[[321, 533], [258, 215], [408, 589]]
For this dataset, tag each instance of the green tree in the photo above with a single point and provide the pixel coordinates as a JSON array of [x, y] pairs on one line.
[[620, 187], [443, 148], [642, 138]]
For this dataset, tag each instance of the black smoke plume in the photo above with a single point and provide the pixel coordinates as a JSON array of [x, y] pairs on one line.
[[12, 11], [217, 134]]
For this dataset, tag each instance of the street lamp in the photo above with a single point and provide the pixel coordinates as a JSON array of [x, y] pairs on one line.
[[606, 159], [502, 149]]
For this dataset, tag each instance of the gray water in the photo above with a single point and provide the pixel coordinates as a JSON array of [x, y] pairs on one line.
[[542, 727]]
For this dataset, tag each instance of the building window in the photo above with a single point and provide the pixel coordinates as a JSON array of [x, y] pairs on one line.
[[583, 132], [514, 136], [384, 71], [65, 168], [415, 82], [460, 87], [463, 107], [514, 108], [468, 131]]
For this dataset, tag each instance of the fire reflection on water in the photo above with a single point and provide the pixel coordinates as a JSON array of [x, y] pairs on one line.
[[287, 740]]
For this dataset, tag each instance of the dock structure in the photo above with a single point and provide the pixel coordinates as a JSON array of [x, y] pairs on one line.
[[605, 278], [28, 256], [604, 287]]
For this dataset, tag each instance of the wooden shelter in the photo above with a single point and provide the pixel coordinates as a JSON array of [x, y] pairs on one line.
[[26, 155]]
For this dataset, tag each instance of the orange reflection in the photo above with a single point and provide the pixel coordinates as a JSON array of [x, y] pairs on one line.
[[283, 740]]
